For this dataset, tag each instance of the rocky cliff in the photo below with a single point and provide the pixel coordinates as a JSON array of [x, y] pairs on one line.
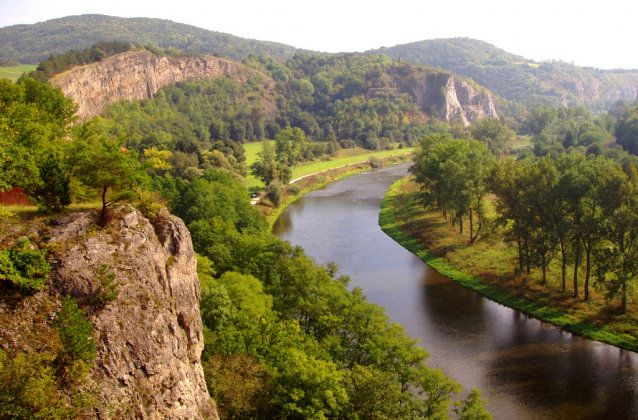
[[134, 75], [451, 98], [150, 337]]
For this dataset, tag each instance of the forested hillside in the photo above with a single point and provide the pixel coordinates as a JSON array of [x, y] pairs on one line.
[[284, 337], [30, 44], [518, 79]]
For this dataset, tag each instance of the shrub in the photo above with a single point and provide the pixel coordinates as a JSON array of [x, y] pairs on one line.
[[274, 192], [294, 189], [375, 162], [320, 179], [76, 334], [107, 290], [24, 268]]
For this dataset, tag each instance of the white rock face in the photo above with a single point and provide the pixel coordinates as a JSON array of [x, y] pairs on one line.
[[133, 75]]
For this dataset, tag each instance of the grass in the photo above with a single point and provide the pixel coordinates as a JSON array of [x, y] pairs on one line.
[[317, 181], [488, 268], [345, 157], [12, 73]]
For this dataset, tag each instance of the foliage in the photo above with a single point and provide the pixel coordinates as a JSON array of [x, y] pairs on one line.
[[275, 193], [59, 63], [34, 121], [26, 43], [24, 267], [109, 169], [519, 80], [28, 389], [76, 333], [107, 286]]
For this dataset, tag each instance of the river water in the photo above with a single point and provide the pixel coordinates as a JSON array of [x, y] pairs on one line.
[[527, 369]]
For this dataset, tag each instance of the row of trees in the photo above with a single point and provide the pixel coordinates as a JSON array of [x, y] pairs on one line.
[[580, 210]]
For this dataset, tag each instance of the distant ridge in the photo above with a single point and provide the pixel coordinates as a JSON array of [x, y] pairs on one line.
[[30, 44], [519, 79]]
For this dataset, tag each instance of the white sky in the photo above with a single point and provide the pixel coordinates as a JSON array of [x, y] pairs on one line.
[[592, 33]]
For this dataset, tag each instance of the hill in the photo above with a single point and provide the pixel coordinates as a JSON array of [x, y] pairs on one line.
[[518, 79], [30, 44]]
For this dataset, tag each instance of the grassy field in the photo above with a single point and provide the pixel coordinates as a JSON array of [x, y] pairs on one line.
[[13, 73], [346, 157], [488, 267]]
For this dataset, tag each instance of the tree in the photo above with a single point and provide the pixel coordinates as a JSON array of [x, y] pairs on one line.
[[290, 144], [618, 256], [108, 168], [493, 133]]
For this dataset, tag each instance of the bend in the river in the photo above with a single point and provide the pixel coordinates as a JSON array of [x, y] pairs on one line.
[[527, 369]]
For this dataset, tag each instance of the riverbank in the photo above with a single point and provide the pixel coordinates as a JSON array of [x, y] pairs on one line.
[[311, 182], [485, 268]]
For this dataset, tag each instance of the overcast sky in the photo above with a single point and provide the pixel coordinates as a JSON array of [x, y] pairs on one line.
[[591, 33]]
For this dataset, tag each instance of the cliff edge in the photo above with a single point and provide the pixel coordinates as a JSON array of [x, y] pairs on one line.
[[149, 338], [134, 75]]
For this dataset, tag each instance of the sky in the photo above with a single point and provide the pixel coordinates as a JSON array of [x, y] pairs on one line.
[[590, 33]]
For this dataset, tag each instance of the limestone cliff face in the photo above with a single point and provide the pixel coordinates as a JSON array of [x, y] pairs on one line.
[[451, 98], [133, 75], [149, 339]]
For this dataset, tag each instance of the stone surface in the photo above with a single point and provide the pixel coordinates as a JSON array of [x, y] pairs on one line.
[[133, 75], [150, 338], [450, 97]]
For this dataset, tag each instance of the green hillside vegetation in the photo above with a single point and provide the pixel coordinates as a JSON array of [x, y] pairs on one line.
[[284, 337], [513, 77], [30, 44]]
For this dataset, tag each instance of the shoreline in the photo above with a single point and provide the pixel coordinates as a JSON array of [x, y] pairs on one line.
[[272, 216], [389, 224]]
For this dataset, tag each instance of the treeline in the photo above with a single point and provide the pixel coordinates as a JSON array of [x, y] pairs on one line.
[[56, 64], [579, 210], [565, 130], [29, 44], [284, 337]]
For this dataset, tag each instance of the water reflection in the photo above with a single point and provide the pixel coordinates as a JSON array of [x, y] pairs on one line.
[[527, 369]]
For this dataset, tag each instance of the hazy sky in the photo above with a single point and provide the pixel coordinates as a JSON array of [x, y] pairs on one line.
[[592, 33]]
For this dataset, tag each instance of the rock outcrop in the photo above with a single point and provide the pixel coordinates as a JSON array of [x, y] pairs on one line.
[[134, 75], [441, 93], [150, 338]]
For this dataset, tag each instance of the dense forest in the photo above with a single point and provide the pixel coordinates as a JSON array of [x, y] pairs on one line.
[[304, 345], [515, 78], [298, 342], [27, 45]]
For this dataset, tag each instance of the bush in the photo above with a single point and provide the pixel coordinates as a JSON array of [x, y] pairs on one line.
[[24, 268], [320, 179], [274, 192], [294, 189], [76, 334], [375, 162]]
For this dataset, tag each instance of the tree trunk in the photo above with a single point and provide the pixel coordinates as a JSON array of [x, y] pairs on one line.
[[564, 269], [576, 262], [461, 224], [588, 268], [520, 253], [624, 298], [471, 228], [103, 215]]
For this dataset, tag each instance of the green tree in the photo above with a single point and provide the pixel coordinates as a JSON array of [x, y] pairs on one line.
[[290, 144], [493, 133], [114, 172]]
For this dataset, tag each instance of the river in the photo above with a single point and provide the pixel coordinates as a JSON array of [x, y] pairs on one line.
[[526, 369]]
